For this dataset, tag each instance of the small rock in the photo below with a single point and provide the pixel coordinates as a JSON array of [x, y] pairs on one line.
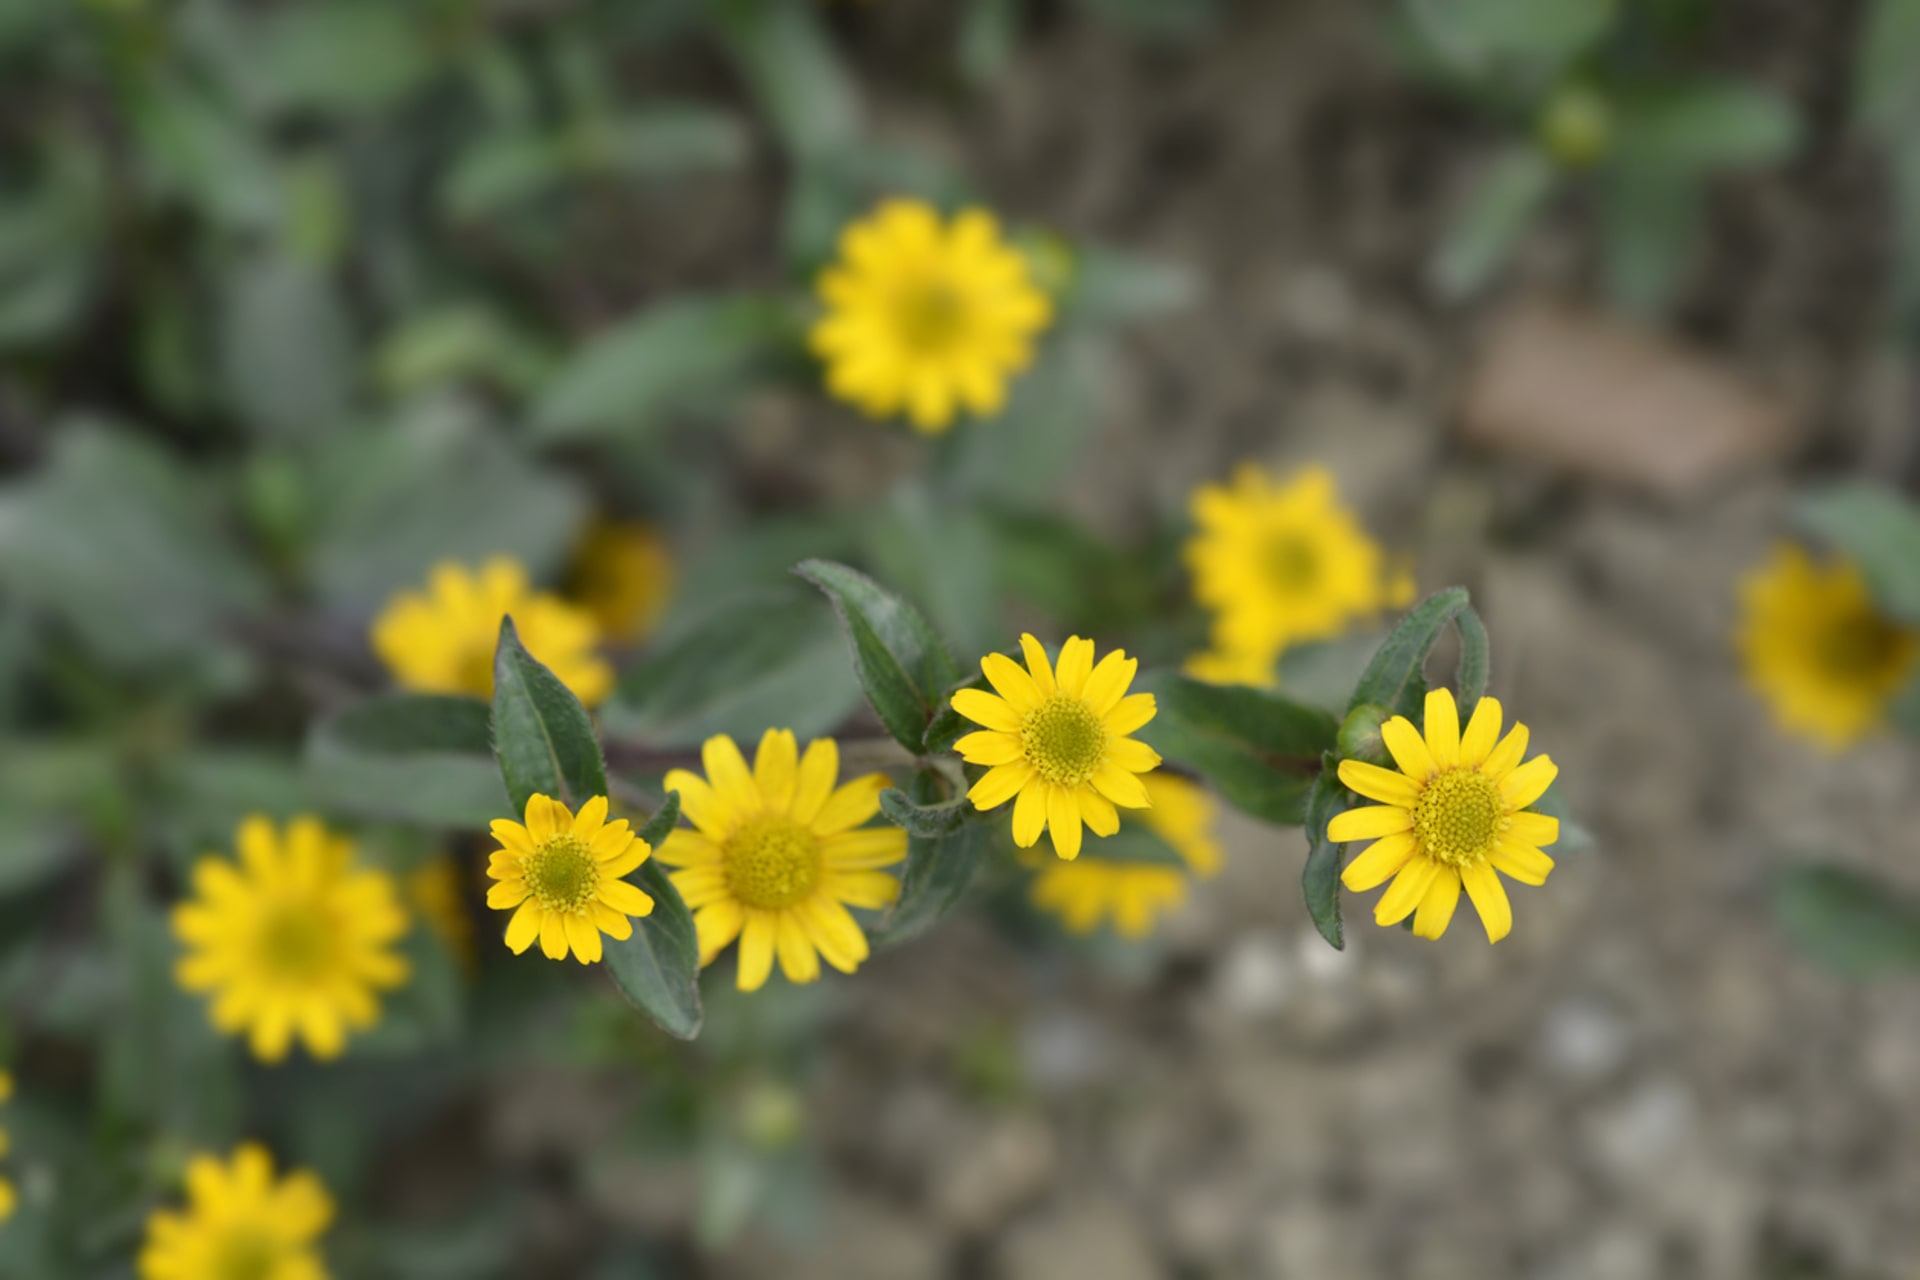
[[1255, 977], [1095, 1239], [1636, 1135], [1583, 1041], [988, 1176]]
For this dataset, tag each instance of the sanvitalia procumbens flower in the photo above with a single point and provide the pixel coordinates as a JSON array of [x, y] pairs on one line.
[[563, 877]]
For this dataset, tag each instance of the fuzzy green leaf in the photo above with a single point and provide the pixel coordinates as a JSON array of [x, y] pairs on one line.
[[658, 968], [1484, 232], [1259, 749], [404, 757], [1320, 878], [902, 664], [1475, 658], [1396, 679], [541, 734], [1880, 531], [938, 869], [931, 820], [1847, 921]]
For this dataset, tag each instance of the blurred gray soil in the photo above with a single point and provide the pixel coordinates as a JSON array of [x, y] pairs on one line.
[[1643, 1082]]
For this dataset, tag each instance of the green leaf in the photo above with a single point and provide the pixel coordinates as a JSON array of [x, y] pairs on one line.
[[658, 968], [1886, 92], [1259, 749], [286, 346], [938, 869], [1475, 657], [1704, 127], [931, 821], [1880, 531], [1320, 878], [765, 658], [415, 758], [542, 736], [1847, 921], [804, 92], [1396, 678], [1480, 37], [902, 665], [1651, 223], [949, 726], [1483, 233], [670, 358], [1110, 288]]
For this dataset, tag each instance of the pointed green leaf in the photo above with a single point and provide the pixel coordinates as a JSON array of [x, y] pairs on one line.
[[1847, 921], [658, 968], [902, 664], [938, 869], [1320, 878], [1259, 749], [542, 736], [1395, 679], [1475, 659], [1482, 234], [932, 820]]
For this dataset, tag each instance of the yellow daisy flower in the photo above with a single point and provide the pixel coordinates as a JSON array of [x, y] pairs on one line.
[[293, 939], [1058, 742], [778, 853], [1220, 666], [1814, 645], [1455, 813], [927, 318], [442, 640], [1134, 895], [1280, 563], [240, 1224], [564, 878], [433, 891], [623, 575], [7, 1198]]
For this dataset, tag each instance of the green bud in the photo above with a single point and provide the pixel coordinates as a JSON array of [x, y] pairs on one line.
[[1576, 126], [1360, 736]]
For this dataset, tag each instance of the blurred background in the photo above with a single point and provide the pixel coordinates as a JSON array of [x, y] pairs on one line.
[[300, 297]]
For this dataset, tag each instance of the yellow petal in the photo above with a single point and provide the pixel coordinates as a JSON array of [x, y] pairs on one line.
[[1436, 909], [592, 816], [1375, 783], [1121, 787], [1098, 812], [702, 807], [583, 937], [1011, 681], [1109, 681], [1030, 814], [1443, 728], [553, 935], [1378, 861], [507, 894], [1489, 899], [1131, 712], [1501, 760], [1521, 861], [727, 773], [864, 849], [819, 770], [1536, 829], [524, 927], [776, 768], [834, 932], [1076, 664], [851, 805], [999, 785], [1369, 822], [1483, 730], [625, 898], [869, 890], [1063, 821], [983, 708], [798, 960], [512, 836], [546, 818], [1037, 666], [1132, 755], [1407, 891], [1408, 747], [716, 926], [989, 748], [756, 951], [1529, 782]]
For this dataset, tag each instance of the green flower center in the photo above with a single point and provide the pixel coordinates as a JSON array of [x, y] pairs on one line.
[[296, 942], [1064, 740], [562, 874], [771, 862], [246, 1255], [929, 315], [1291, 561], [1458, 816]]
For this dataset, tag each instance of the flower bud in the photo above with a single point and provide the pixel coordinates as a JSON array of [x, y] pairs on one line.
[[1360, 736], [1576, 126]]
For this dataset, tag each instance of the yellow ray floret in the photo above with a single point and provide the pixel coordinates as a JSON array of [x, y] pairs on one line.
[[1055, 742], [927, 318], [442, 640], [293, 939], [1454, 815], [564, 878], [623, 576], [1280, 563], [1090, 890], [777, 854], [240, 1223], [1814, 645]]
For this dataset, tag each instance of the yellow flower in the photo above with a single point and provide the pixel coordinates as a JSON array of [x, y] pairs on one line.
[[442, 640], [1818, 650], [1219, 666], [6, 1187], [777, 855], [1281, 563], [240, 1224], [1058, 742], [1456, 812], [927, 318], [566, 876], [293, 939], [622, 575], [1133, 895], [433, 890]]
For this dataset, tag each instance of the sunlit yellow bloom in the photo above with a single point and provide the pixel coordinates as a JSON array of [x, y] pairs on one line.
[[1455, 813], [1219, 666], [433, 890], [442, 640], [623, 575], [927, 318], [293, 939], [6, 1187], [778, 853], [564, 878], [240, 1224], [1814, 645], [1134, 895], [1056, 743], [1281, 563]]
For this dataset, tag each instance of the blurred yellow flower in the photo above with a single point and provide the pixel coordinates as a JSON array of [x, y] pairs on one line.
[[927, 318], [623, 575], [1133, 895], [442, 640], [433, 891], [1816, 648], [1058, 742], [1283, 562], [1219, 666], [293, 939], [240, 1224], [564, 878], [777, 855], [1455, 813], [6, 1187]]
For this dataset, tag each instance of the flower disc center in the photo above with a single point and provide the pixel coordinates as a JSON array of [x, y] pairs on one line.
[[929, 315], [561, 874], [1291, 561], [1862, 646], [1064, 740], [296, 942], [1458, 816], [246, 1255], [771, 862]]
